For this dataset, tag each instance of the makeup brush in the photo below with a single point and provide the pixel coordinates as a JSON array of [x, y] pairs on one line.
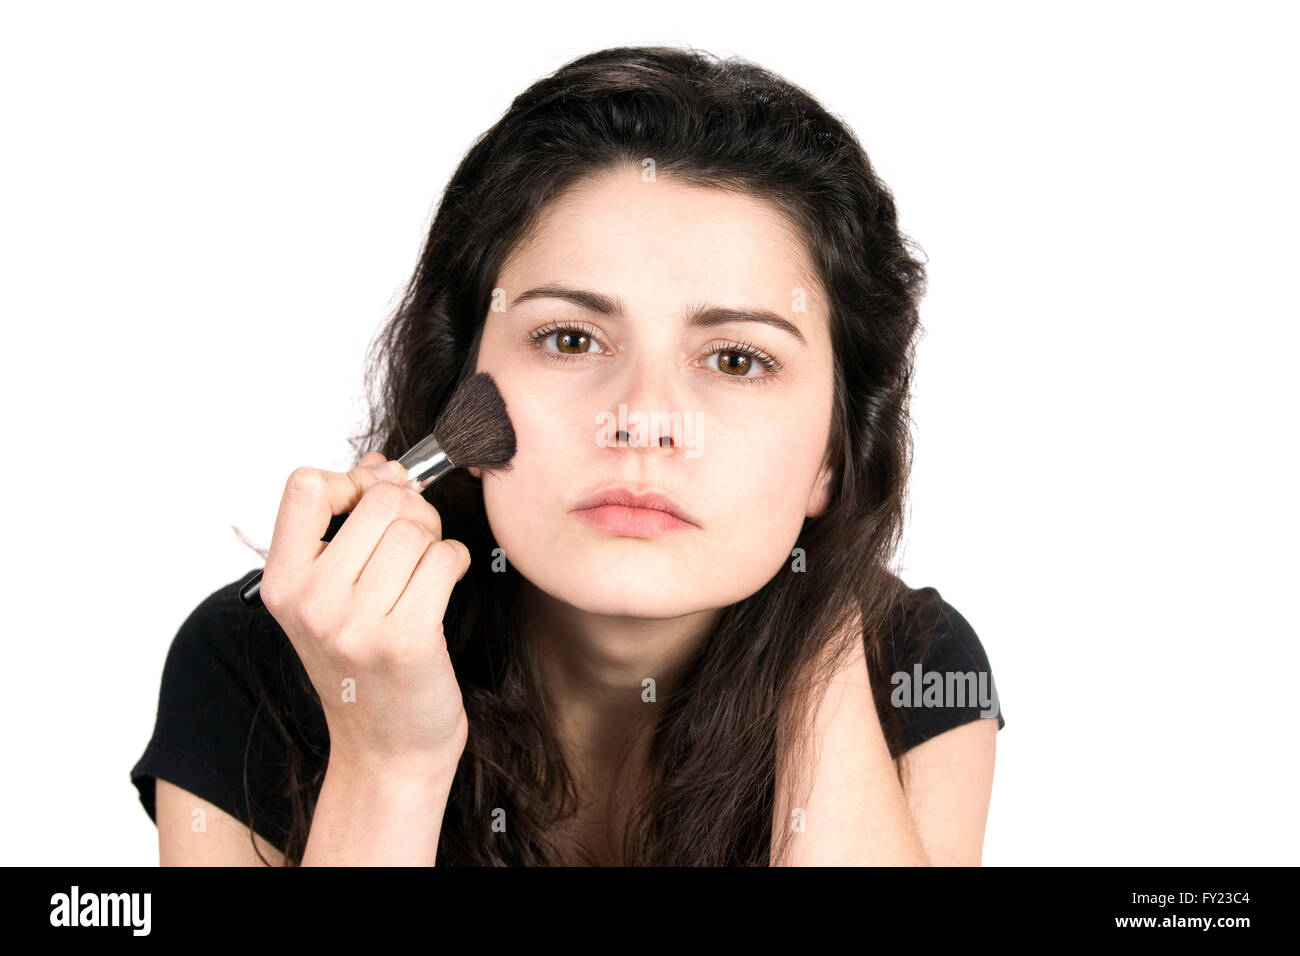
[[472, 431]]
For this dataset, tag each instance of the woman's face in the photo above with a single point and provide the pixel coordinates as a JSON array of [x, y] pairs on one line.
[[748, 444]]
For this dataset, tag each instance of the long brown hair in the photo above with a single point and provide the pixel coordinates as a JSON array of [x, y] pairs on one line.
[[716, 123]]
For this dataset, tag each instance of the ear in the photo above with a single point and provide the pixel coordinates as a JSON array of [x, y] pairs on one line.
[[476, 471], [820, 498]]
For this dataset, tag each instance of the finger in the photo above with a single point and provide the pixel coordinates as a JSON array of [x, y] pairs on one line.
[[371, 460], [422, 606], [409, 504], [389, 569], [312, 496], [345, 558]]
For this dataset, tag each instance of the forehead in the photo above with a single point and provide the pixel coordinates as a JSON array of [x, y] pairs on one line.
[[667, 241]]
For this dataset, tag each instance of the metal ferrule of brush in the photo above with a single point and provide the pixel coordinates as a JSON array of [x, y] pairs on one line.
[[424, 463]]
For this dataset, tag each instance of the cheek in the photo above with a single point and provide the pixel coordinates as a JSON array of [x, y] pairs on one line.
[[771, 462], [552, 466], [760, 484], [514, 495]]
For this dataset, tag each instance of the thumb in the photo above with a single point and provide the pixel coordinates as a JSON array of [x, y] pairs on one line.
[[363, 476]]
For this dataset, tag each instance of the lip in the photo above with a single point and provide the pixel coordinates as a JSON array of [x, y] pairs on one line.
[[640, 514]]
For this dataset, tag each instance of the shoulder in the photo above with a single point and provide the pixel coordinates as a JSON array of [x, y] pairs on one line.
[[206, 663], [213, 734], [212, 642], [937, 668], [924, 626], [224, 653]]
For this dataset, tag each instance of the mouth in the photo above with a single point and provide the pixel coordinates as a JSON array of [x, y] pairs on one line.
[[623, 511]]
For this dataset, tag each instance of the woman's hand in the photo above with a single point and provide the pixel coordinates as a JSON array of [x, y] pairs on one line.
[[364, 612]]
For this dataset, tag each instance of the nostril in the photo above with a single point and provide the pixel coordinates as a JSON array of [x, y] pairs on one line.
[[622, 437]]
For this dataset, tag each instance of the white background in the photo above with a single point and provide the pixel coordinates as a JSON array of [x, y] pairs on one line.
[[208, 211]]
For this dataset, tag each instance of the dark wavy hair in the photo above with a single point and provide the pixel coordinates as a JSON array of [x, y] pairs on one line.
[[717, 123]]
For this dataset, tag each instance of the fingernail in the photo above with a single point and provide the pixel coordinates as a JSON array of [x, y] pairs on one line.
[[388, 469]]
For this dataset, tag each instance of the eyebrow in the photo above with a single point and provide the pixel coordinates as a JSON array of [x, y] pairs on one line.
[[699, 317]]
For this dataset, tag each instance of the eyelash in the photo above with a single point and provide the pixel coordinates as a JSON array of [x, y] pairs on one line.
[[744, 348]]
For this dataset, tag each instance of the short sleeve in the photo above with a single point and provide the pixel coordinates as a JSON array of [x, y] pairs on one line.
[[209, 720], [941, 677]]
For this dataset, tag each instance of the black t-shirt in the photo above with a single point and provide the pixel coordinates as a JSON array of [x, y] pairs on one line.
[[208, 713]]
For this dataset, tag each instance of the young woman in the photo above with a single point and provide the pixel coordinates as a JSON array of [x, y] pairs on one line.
[[647, 231]]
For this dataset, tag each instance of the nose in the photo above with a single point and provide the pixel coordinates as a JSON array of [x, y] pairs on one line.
[[649, 398]]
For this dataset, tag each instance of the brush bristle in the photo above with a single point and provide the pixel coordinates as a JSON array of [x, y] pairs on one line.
[[474, 429]]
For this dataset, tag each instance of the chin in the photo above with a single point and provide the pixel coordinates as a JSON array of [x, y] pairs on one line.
[[626, 594], [649, 608]]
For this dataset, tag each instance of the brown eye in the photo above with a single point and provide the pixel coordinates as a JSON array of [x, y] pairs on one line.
[[569, 340], [734, 362], [572, 342]]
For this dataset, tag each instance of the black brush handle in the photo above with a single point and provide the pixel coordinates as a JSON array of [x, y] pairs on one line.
[[250, 592]]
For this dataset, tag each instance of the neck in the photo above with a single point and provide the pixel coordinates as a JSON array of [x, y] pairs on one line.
[[593, 667]]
